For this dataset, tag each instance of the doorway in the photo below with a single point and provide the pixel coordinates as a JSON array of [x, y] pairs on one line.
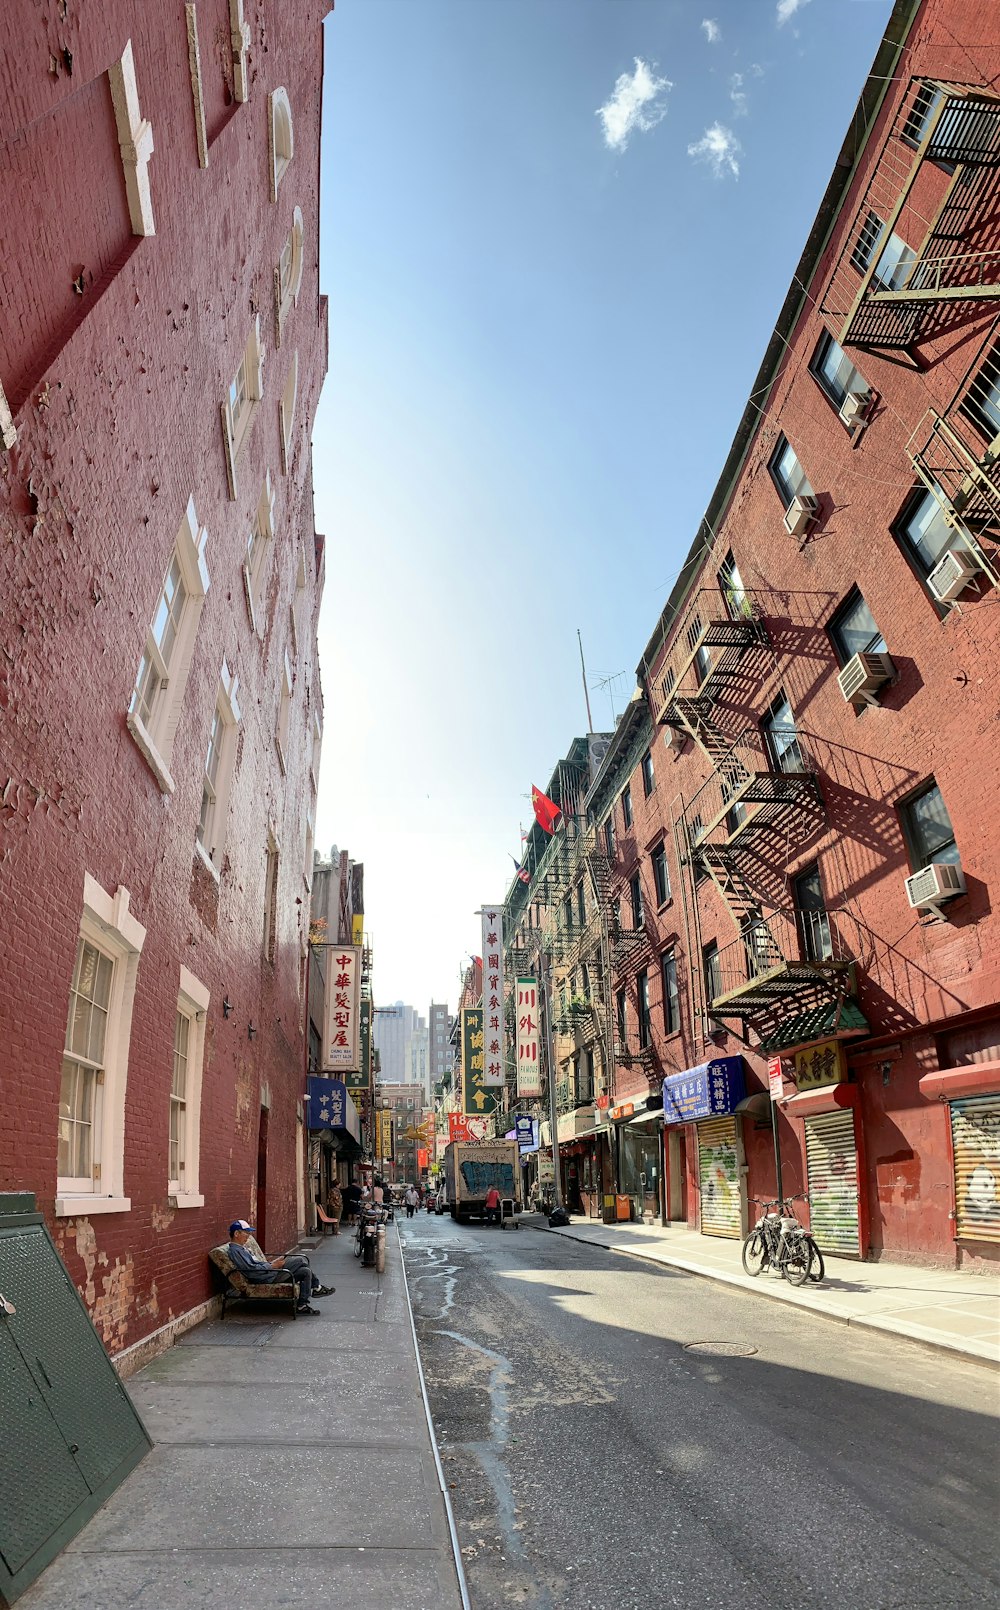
[[262, 1180], [677, 1175]]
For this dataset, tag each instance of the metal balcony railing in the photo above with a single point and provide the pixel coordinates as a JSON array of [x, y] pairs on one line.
[[777, 961], [963, 475], [720, 627], [751, 787]]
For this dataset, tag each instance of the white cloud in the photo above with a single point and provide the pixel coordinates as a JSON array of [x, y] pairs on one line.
[[788, 8], [738, 95], [711, 30], [637, 102], [720, 149]]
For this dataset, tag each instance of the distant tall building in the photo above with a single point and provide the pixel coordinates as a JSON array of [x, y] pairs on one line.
[[439, 1051], [401, 1041]]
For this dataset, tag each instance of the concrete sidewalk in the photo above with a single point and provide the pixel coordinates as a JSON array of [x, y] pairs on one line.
[[942, 1308], [292, 1464]]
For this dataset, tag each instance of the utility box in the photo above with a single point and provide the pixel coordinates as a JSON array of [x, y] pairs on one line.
[[69, 1434]]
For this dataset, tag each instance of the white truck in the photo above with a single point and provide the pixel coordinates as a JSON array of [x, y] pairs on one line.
[[471, 1167]]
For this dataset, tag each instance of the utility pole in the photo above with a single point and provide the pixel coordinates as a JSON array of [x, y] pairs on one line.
[[586, 691], [546, 985]]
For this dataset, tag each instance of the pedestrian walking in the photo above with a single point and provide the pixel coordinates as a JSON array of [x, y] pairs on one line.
[[412, 1198]]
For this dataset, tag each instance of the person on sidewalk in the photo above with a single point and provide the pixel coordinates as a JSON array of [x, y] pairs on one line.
[[491, 1209], [352, 1196], [335, 1205], [252, 1263], [412, 1198]]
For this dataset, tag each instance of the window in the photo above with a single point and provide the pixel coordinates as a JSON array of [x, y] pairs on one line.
[[609, 838], [671, 999], [184, 1135], [712, 968], [835, 372], [271, 896], [787, 473], [661, 877], [135, 140], [781, 738], [648, 778], [284, 713], [220, 762], [581, 903], [925, 103], [91, 1132], [158, 695], [238, 411], [853, 630], [620, 1018], [894, 262], [924, 532], [701, 659], [868, 239], [635, 895], [982, 403], [288, 275], [281, 139], [811, 915], [286, 409], [642, 992], [627, 806], [258, 547], [733, 591], [927, 826]]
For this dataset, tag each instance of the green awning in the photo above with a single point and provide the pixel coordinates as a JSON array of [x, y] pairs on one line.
[[831, 1021]]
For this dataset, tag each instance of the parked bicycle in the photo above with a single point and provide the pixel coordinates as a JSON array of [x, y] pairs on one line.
[[778, 1241]]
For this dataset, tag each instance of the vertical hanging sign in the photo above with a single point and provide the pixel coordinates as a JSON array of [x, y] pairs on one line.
[[529, 1076], [475, 1098], [493, 1070], [341, 1015]]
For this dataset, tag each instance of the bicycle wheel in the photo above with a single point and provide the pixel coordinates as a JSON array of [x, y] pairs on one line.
[[796, 1262], [817, 1268], [754, 1253]]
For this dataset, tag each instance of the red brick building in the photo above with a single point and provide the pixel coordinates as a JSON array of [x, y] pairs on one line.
[[161, 357]]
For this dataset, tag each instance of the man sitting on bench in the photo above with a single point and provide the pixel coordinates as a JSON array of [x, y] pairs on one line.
[[275, 1272]]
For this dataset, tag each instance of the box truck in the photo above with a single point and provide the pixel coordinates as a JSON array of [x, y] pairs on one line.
[[471, 1167]]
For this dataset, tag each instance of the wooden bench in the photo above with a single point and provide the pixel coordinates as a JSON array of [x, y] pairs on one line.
[[239, 1289]]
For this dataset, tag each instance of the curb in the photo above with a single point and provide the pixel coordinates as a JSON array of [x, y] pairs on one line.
[[786, 1297]]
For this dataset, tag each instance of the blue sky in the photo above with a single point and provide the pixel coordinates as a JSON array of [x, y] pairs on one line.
[[545, 319]]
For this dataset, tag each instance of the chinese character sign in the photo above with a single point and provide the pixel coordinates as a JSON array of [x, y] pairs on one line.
[[464, 1126], [529, 1073], [341, 1025], [820, 1065], [358, 1081], [493, 1068], [707, 1091], [475, 1097]]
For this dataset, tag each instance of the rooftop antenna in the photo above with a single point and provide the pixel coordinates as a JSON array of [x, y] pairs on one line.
[[586, 694]]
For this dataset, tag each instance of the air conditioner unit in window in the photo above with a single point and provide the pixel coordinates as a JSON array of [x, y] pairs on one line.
[[800, 514], [952, 574], [674, 739], [863, 675], [855, 406], [933, 885]]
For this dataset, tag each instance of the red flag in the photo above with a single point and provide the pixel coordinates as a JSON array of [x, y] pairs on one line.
[[546, 810]]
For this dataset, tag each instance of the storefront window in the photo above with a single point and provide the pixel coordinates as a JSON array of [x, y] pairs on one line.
[[640, 1163]]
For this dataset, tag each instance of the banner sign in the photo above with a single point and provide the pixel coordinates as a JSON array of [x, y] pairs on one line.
[[384, 1147], [466, 1126], [493, 1072], [330, 1107], [775, 1078], [357, 928], [529, 1073], [475, 1097], [341, 1015], [709, 1091], [526, 1133], [421, 1157]]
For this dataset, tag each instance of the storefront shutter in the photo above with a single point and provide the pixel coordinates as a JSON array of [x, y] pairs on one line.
[[975, 1133], [832, 1165], [719, 1177]]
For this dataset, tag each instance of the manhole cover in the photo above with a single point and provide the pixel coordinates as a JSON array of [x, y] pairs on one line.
[[727, 1349]]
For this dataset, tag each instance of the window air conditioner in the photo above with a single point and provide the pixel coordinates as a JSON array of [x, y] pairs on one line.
[[855, 406], [934, 884], [863, 675], [674, 738], [800, 514], [952, 573]]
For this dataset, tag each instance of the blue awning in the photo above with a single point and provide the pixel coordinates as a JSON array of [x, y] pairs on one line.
[[711, 1090]]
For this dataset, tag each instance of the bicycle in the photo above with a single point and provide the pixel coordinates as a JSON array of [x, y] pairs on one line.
[[778, 1241], [817, 1267]]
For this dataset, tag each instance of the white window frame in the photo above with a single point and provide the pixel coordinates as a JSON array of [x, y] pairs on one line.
[[108, 925], [135, 141], [237, 420], [228, 709], [286, 290], [193, 999], [155, 737], [283, 729], [8, 430], [280, 136], [307, 868], [239, 40], [271, 875], [316, 755], [256, 563], [286, 409]]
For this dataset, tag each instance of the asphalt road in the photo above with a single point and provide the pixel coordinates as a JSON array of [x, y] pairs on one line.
[[619, 1436]]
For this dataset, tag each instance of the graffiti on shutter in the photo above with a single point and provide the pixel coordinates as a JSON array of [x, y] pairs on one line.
[[832, 1167], [975, 1133], [719, 1178]]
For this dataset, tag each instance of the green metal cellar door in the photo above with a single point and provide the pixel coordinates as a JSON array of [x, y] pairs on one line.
[[70, 1432]]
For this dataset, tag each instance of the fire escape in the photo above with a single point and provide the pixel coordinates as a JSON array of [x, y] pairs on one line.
[[936, 171]]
